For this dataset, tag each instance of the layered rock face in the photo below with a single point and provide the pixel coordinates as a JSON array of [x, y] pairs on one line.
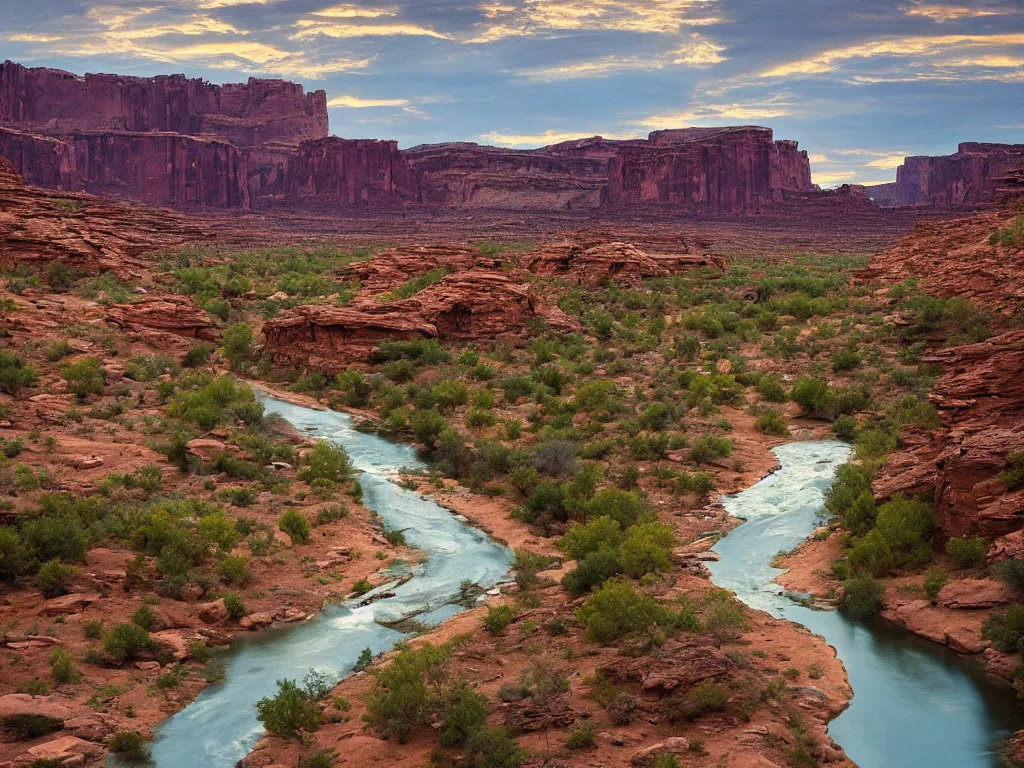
[[563, 176], [88, 233], [980, 394], [969, 178], [711, 171], [246, 114]]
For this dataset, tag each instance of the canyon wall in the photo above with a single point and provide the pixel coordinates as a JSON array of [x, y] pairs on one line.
[[967, 179], [711, 171]]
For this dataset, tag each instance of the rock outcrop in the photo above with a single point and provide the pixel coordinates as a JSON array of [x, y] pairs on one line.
[[969, 178], [87, 233], [170, 314], [711, 171], [245, 114], [980, 394]]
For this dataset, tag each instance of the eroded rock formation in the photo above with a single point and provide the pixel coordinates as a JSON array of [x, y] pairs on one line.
[[964, 180], [87, 233], [711, 171]]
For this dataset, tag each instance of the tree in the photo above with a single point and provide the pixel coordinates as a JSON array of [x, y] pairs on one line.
[[290, 712], [463, 713], [615, 610], [404, 692]]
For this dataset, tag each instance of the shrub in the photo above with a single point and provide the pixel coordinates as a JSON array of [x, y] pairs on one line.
[[212, 402], [1011, 572], [497, 619], [811, 394], [615, 610], [726, 619], [14, 555], [862, 597], [15, 373], [647, 548], [592, 571], [463, 712], [290, 712], [56, 537], [295, 524], [601, 532], [770, 388], [328, 463], [63, 668], [197, 355], [625, 507], [1006, 629], [237, 345], [901, 538], [846, 360], [708, 448], [148, 367], [703, 698], [403, 691], [449, 393], [494, 748], [966, 553], [54, 578], [934, 580], [322, 758], [84, 377], [1013, 477], [57, 350], [845, 428], [145, 617], [235, 605], [130, 746], [772, 423], [234, 569], [126, 642], [583, 735], [555, 457], [427, 426], [1012, 236]]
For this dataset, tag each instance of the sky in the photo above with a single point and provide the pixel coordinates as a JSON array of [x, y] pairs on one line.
[[859, 83]]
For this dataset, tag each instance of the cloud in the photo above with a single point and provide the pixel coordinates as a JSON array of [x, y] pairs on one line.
[[529, 18], [310, 28], [908, 47], [349, 11], [717, 113], [699, 52], [888, 162], [34, 38], [213, 4], [819, 159], [833, 177], [354, 102], [944, 13], [544, 139]]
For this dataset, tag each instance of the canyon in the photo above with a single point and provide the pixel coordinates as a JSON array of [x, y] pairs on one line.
[[264, 144]]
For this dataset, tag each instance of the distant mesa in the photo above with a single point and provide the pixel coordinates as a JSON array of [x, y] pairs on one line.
[[265, 145]]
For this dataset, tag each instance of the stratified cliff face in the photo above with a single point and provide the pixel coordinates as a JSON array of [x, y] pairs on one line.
[[42, 160], [969, 178], [712, 171], [247, 114], [563, 176]]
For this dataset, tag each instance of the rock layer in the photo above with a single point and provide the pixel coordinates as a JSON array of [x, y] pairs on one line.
[[964, 180]]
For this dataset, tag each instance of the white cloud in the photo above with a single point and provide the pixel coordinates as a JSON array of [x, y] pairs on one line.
[[545, 138]]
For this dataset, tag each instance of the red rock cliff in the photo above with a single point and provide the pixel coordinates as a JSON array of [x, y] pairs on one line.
[[969, 178], [56, 102], [711, 171]]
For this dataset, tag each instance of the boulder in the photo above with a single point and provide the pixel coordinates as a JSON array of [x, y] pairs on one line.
[[214, 612], [974, 593], [66, 750]]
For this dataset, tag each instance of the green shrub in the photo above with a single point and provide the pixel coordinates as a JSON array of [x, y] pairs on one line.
[[404, 691], [463, 712], [322, 758], [14, 554], [126, 642], [770, 388], [84, 377], [709, 448], [647, 548], [215, 401], [601, 532], [235, 605], [234, 569], [1012, 236], [494, 748], [16, 374], [497, 619], [427, 426], [703, 698], [615, 610], [22, 727], [57, 351], [625, 507], [130, 747], [326, 463], [846, 360], [850, 499], [901, 538], [197, 355], [290, 712], [1006, 629], [54, 578], [934, 580], [63, 668], [146, 618], [149, 367], [592, 571], [583, 735], [295, 524], [1013, 477], [813, 395], [862, 596], [772, 423], [449, 393], [1011, 572], [237, 345], [966, 553], [57, 536]]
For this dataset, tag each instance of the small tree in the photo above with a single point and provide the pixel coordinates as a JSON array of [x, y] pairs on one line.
[[84, 377], [295, 524], [463, 713], [615, 610], [290, 712], [237, 347], [405, 690]]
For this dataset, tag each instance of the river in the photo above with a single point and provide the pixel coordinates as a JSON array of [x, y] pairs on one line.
[[220, 726], [916, 703]]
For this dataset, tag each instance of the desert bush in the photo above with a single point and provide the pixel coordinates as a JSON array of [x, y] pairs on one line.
[[592, 571], [772, 423], [145, 617], [647, 548], [15, 373], [862, 596], [404, 692], [1006, 629], [54, 578], [427, 426], [583, 735], [625, 507], [130, 747], [597, 533], [462, 711], [126, 642], [62, 667], [702, 699], [235, 605], [14, 554], [290, 712], [1013, 477], [1010, 572], [770, 388], [616, 609], [295, 524], [237, 345], [197, 355], [497, 619], [966, 552], [84, 377], [901, 538], [709, 448], [234, 569], [326, 463], [494, 748], [934, 580]]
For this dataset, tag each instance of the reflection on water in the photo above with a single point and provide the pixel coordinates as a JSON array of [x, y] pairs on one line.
[[916, 703], [220, 726]]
